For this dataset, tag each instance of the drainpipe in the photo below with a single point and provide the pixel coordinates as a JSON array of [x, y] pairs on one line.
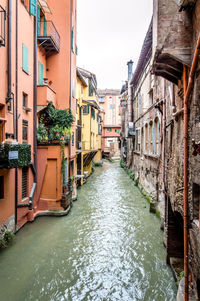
[[16, 115], [70, 78], [34, 112], [187, 91]]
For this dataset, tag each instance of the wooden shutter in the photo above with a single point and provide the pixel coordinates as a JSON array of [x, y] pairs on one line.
[[45, 27], [32, 7], [40, 74], [38, 21], [24, 58]]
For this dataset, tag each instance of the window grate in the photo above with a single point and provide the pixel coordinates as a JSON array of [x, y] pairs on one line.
[[24, 182]]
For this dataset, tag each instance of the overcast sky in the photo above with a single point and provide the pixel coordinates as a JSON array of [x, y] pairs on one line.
[[110, 33]]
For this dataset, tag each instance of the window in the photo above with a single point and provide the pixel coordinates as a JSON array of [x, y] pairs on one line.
[[146, 139], [157, 136], [72, 138], [86, 109], [24, 100], [109, 130], [196, 202], [24, 182], [2, 26], [116, 131], [25, 131], [1, 187], [93, 113], [151, 97], [24, 58], [32, 7], [40, 74], [1, 132], [151, 137], [90, 89], [137, 140]]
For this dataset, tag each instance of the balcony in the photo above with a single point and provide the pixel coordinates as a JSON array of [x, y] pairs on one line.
[[45, 95], [14, 155], [48, 37]]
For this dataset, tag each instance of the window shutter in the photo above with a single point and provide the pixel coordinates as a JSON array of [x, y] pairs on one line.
[[40, 74], [25, 58], [72, 46], [32, 7], [38, 21], [45, 27]]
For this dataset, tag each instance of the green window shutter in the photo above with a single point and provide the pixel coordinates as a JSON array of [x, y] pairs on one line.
[[32, 7], [40, 74], [38, 20], [72, 41], [24, 58], [45, 27]]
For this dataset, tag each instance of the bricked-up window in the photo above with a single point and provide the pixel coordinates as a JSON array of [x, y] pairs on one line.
[[24, 182], [24, 100], [1, 187], [196, 201], [25, 131]]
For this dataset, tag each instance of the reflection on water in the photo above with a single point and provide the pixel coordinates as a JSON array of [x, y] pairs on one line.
[[108, 248]]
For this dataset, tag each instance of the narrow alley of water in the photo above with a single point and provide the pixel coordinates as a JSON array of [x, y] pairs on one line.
[[108, 248]]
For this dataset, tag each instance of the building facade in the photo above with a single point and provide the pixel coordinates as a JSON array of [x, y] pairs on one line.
[[38, 70], [109, 101]]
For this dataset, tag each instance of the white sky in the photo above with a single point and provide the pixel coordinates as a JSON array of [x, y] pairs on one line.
[[110, 33]]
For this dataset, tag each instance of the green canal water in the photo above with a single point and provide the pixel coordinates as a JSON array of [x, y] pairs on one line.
[[108, 248]]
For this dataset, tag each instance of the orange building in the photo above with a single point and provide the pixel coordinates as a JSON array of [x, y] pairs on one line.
[[37, 71]]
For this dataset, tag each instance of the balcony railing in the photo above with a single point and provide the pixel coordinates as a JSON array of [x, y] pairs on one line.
[[48, 37], [14, 155]]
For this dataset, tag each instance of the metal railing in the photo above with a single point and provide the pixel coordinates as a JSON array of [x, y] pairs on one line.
[[48, 29], [2, 26]]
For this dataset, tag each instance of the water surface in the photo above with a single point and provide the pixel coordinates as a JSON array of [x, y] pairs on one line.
[[108, 248]]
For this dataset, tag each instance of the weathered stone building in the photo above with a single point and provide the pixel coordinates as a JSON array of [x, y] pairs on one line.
[[166, 116]]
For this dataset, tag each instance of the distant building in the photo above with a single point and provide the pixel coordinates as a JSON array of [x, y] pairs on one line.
[[109, 102]]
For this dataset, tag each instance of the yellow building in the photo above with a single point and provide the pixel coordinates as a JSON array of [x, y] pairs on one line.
[[88, 132]]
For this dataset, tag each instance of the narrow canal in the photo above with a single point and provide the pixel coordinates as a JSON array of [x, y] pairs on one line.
[[108, 248]]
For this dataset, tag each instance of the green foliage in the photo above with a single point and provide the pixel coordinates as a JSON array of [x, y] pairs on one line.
[[110, 160], [42, 134], [8, 238], [136, 182], [24, 155], [62, 118], [181, 275], [122, 163], [59, 133]]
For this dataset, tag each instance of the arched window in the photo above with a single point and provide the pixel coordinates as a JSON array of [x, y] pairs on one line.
[[146, 139], [157, 136]]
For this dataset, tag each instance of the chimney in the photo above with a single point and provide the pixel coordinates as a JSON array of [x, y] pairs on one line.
[[130, 69]]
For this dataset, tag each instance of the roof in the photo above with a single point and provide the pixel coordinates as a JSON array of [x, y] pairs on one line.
[[79, 74], [112, 126], [145, 55], [88, 74], [104, 92], [92, 103]]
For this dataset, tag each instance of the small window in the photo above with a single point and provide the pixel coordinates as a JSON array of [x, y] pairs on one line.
[[137, 140], [196, 201], [109, 130], [1, 187], [24, 100], [151, 137], [24, 58], [146, 139], [157, 135], [25, 131], [93, 113], [72, 138], [24, 182], [72, 39], [86, 109], [116, 131]]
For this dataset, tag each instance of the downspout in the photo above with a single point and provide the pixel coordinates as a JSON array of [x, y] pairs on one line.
[[187, 91], [16, 115], [34, 167], [70, 79]]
